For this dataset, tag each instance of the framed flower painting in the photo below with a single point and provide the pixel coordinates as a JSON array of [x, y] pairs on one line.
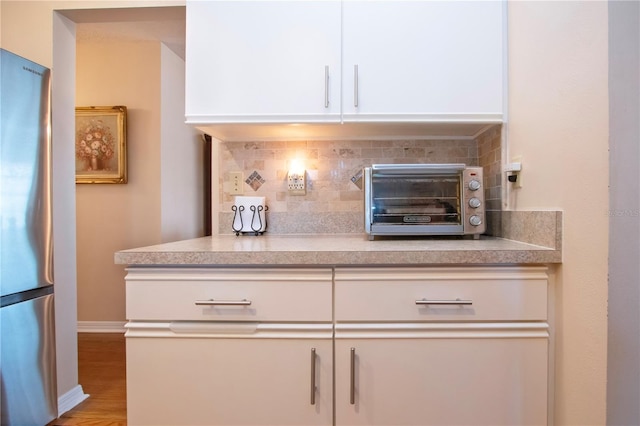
[[101, 144]]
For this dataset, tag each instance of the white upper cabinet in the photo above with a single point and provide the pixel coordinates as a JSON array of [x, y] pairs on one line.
[[422, 60], [334, 61], [262, 61]]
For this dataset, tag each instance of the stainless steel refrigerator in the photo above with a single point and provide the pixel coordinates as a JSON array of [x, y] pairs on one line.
[[27, 339]]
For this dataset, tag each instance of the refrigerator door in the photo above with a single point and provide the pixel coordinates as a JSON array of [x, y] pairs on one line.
[[25, 170], [27, 371]]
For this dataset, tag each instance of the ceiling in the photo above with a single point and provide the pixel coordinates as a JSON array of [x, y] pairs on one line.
[[163, 24]]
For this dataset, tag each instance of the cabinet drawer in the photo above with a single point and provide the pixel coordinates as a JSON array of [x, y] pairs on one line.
[[441, 294], [229, 294]]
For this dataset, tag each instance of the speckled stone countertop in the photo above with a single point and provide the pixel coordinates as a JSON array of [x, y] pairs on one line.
[[331, 249]]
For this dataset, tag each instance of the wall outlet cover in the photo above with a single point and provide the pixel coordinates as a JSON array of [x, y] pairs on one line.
[[236, 185], [517, 171], [296, 183]]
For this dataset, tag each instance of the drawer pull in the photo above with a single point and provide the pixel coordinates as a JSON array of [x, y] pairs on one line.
[[214, 302], [444, 302], [352, 390], [313, 376]]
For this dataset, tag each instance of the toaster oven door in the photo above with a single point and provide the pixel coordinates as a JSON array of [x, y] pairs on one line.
[[415, 203]]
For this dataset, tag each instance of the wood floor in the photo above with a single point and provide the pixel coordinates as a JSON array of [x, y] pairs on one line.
[[102, 374]]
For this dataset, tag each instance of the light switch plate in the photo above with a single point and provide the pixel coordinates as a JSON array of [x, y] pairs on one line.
[[236, 186]]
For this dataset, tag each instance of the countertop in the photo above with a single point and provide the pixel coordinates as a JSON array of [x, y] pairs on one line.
[[336, 249]]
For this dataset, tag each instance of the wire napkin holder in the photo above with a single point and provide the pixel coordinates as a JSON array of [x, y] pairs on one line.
[[257, 219]]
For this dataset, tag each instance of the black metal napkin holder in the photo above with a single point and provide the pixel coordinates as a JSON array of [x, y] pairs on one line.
[[256, 218]]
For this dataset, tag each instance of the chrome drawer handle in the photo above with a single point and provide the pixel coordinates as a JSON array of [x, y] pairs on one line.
[[326, 86], [214, 302], [444, 302], [313, 376], [352, 387], [355, 86]]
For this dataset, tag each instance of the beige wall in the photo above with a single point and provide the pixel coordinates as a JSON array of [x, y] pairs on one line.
[[558, 122], [27, 25], [163, 199], [181, 162], [115, 217]]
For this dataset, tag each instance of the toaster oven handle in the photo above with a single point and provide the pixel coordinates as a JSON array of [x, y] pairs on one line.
[[417, 169], [444, 302]]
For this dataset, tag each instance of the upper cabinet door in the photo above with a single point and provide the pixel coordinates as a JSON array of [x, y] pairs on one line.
[[263, 61], [422, 60]]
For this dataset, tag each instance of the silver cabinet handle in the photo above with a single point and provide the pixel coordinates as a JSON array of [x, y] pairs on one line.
[[444, 302], [214, 302], [352, 392], [355, 86], [326, 86], [313, 376]]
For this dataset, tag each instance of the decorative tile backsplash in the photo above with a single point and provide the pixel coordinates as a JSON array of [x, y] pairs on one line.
[[490, 158], [334, 200]]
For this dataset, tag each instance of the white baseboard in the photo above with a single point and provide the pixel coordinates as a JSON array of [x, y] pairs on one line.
[[101, 326], [70, 399]]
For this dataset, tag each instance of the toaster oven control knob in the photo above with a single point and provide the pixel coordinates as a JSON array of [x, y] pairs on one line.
[[474, 203], [474, 185], [475, 220]]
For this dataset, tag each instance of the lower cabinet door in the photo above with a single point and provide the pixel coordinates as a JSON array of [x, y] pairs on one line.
[[441, 381], [224, 381]]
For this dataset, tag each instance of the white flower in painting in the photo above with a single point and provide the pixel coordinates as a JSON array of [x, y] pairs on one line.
[[95, 140]]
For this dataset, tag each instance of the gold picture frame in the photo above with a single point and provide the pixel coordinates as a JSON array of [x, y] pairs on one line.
[[101, 144]]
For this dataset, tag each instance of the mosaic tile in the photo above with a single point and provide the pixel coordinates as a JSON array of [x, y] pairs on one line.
[[254, 180]]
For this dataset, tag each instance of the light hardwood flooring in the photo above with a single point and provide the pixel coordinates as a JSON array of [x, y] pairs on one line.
[[102, 374]]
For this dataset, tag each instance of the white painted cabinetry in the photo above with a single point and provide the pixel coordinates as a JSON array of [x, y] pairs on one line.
[[344, 346], [263, 61], [351, 61], [218, 347], [422, 61], [441, 346]]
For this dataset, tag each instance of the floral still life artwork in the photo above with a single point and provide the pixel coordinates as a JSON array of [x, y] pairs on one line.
[[100, 144]]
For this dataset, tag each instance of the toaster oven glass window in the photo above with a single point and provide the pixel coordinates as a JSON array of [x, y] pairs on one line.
[[416, 200]]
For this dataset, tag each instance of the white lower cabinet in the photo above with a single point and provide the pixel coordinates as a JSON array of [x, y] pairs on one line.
[[372, 346], [461, 377], [441, 346], [218, 347], [220, 381]]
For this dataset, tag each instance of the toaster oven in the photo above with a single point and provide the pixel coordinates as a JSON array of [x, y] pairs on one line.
[[423, 199]]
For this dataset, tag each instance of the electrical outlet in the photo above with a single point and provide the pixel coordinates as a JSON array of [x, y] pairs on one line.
[[517, 173], [236, 185], [296, 183]]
